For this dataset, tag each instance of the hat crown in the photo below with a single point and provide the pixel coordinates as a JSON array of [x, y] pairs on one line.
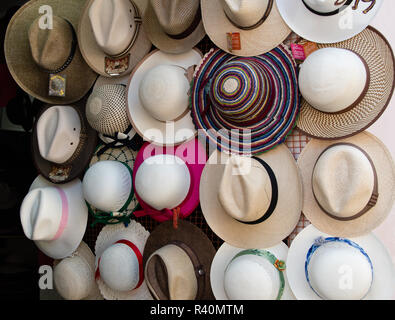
[[119, 267], [343, 180], [107, 185], [332, 79], [164, 92], [106, 109], [245, 13], [324, 6], [245, 190], [339, 271], [51, 48], [113, 24], [58, 133], [175, 16]]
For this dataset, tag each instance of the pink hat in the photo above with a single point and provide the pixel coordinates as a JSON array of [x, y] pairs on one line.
[[166, 179]]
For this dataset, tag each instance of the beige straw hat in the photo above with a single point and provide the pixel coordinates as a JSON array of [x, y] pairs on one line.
[[258, 23], [373, 86], [174, 26], [348, 185], [111, 35], [251, 202], [33, 53]]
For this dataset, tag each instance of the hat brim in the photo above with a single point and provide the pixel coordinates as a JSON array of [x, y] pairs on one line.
[[223, 257], [262, 39], [326, 29], [151, 129], [110, 234], [383, 280], [385, 170], [85, 152], [283, 219], [379, 57], [95, 56], [29, 76], [193, 237]]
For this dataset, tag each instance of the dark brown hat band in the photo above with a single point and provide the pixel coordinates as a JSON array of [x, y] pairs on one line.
[[192, 27]]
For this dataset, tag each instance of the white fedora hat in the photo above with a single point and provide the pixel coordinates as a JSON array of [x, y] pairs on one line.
[[74, 276], [158, 97], [323, 267], [328, 21], [119, 262], [54, 216], [111, 36], [252, 274], [251, 202]]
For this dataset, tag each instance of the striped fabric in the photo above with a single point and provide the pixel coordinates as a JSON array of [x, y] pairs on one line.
[[246, 105]]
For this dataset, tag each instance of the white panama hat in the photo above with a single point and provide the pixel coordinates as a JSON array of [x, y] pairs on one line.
[[323, 267], [54, 216], [328, 21], [252, 274]]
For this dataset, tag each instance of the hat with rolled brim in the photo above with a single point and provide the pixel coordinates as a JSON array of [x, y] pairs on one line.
[[376, 52], [366, 221], [192, 237], [29, 76], [259, 234], [341, 22]]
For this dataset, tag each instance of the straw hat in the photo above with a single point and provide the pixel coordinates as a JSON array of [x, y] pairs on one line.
[[258, 22], [63, 142], [119, 262], [174, 26], [177, 262], [112, 37], [323, 267], [54, 216], [252, 274], [167, 180], [158, 97], [33, 53], [348, 185], [355, 86], [327, 21], [74, 276], [251, 202], [246, 105]]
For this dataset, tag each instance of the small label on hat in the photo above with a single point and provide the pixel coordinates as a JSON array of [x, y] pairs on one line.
[[298, 52], [115, 67], [309, 47], [57, 85], [59, 174], [234, 42]]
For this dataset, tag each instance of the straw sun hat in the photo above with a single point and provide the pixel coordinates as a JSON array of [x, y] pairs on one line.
[[346, 91], [32, 53]]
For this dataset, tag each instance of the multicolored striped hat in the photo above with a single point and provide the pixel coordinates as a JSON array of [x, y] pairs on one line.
[[246, 105]]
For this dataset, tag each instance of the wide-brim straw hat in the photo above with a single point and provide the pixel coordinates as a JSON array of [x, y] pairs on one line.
[[375, 50], [29, 76], [256, 41], [385, 170], [260, 235], [194, 238]]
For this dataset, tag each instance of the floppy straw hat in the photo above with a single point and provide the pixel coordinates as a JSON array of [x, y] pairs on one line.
[[323, 267], [348, 185], [74, 276], [33, 53], [63, 142], [327, 21], [246, 105], [258, 23], [112, 37], [177, 262], [54, 216], [346, 91], [252, 274], [166, 180], [158, 97], [251, 202], [119, 262]]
